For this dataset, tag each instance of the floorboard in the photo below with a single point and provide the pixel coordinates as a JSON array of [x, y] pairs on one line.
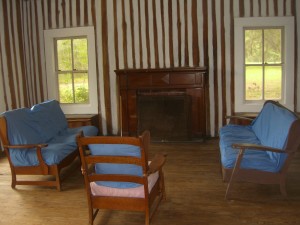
[[195, 195]]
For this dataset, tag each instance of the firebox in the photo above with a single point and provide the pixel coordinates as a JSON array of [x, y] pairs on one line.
[[165, 114]]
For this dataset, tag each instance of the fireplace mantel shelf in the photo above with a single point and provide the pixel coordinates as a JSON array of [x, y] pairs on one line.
[[190, 81]]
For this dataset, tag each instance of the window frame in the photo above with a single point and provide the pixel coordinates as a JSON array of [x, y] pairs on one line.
[[52, 80], [241, 105]]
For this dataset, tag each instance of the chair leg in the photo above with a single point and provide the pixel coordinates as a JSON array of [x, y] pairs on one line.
[[58, 183], [162, 185], [227, 194], [147, 216], [229, 185], [92, 215], [235, 172], [13, 180]]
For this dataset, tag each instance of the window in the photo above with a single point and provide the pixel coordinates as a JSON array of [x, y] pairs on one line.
[[262, 69], [71, 72]]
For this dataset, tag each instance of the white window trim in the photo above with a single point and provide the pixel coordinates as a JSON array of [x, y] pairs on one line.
[[52, 80], [288, 54]]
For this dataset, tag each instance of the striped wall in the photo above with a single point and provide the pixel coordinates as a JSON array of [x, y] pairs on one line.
[[130, 34]]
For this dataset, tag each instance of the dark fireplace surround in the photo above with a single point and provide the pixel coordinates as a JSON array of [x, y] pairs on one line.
[[171, 103]]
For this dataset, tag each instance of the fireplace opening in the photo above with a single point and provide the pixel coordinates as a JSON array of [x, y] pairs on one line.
[[165, 114]]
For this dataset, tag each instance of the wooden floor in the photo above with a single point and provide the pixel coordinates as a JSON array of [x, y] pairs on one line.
[[195, 195]]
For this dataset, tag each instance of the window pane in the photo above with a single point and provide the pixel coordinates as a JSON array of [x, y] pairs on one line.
[[253, 82], [81, 84], [80, 54], [64, 57], [65, 88], [272, 45], [273, 82], [253, 46]]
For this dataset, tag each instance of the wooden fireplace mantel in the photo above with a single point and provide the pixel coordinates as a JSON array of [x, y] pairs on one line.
[[192, 81]]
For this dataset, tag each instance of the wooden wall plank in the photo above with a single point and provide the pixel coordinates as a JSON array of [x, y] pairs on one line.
[[63, 5], [186, 46], [132, 34], [8, 55], [78, 12], [294, 13], [242, 8], [147, 34], [171, 56], [156, 59], [39, 63], [15, 56], [179, 34], [196, 59], [57, 13], [86, 13], [116, 33], [5, 97], [163, 32], [215, 63], [232, 54], [223, 66], [106, 66], [276, 7], [140, 34]]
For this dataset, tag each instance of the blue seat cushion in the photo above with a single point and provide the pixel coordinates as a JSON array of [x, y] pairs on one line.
[[110, 168], [259, 160], [54, 153], [58, 148]]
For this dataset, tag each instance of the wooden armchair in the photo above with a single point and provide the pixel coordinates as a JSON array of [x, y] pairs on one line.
[[262, 151], [37, 141], [118, 175]]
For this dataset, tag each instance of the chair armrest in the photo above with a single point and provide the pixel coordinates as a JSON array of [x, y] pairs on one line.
[[239, 118], [257, 147], [157, 162], [26, 146], [38, 147]]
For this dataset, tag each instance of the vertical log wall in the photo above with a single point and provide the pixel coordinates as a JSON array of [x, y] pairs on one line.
[[131, 34]]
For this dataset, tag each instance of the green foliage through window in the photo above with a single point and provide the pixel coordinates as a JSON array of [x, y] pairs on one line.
[[263, 63], [72, 70]]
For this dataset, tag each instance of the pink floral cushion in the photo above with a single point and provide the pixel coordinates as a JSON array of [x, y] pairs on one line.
[[136, 192]]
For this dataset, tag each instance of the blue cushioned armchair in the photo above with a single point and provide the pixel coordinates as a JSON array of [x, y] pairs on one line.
[[118, 175], [262, 151], [37, 141]]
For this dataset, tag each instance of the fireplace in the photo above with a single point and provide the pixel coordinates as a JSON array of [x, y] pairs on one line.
[[171, 103], [165, 114]]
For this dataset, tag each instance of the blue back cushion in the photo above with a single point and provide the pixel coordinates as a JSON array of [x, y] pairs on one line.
[[109, 168], [272, 127], [50, 118], [21, 127]]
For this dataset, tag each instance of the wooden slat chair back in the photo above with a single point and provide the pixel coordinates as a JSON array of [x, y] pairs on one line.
[[151, 199]]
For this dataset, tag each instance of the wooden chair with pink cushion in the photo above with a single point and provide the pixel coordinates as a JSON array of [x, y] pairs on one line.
[[118, 175]]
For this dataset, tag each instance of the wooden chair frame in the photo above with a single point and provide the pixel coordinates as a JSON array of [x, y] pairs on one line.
[[41, 169], [262, 177], [149, 203]]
